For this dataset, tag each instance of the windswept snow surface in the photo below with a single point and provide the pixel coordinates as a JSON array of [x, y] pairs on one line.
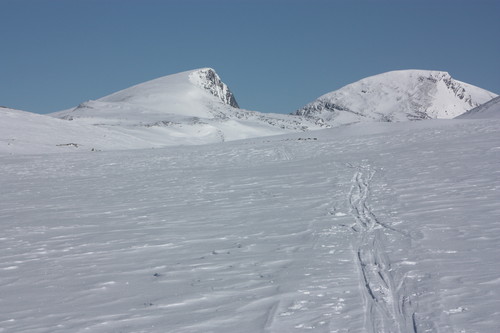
[[396, 96], [365, 228]]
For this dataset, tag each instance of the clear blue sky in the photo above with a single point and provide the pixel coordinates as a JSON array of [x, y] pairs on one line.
[[275, 55]]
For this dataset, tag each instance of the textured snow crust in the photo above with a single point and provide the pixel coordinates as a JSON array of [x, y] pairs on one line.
[[379, 227], [397, 96]]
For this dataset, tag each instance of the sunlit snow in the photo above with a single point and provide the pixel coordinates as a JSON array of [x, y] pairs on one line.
[[397, 96], [381, 227]]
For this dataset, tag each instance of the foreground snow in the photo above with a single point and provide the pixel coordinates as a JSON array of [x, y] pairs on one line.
[[366, 228]]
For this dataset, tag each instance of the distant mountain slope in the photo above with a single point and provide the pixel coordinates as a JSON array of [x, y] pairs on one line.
[[29, 133], [196, 107], [188, 94], [487, 110], [24, 132], [193, 105], [396, 96]]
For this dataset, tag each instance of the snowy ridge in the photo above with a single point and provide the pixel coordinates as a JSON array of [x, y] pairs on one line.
[[488, 110], [397, 96], [186, 94]]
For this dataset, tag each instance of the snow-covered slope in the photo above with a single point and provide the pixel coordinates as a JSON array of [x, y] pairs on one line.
[[190, 94], [193, 105], [366, 228], [397, 96], [29, 133], [489, 110]]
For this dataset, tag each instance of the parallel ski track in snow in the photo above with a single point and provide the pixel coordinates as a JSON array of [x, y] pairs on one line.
[[387, 308]]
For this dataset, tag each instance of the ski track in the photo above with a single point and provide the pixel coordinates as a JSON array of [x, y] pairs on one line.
[[388, 309]]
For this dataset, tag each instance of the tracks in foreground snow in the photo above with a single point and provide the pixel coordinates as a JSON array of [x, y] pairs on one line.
[[387, 306]]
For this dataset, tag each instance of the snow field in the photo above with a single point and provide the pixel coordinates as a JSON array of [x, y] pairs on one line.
[[368, 228]]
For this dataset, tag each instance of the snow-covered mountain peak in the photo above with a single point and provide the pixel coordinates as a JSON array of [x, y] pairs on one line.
[[397, 96], [192, 107], [177, 86], [194, 93], [208, 79]]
